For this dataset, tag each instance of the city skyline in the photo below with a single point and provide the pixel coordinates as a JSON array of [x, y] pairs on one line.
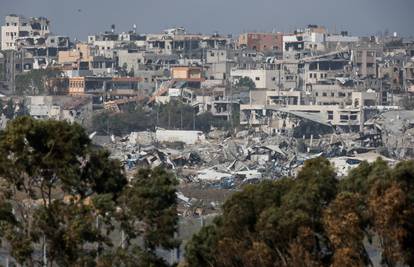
[[230, 17]]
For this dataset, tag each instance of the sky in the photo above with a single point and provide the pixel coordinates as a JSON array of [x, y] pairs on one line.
[[80, 18]]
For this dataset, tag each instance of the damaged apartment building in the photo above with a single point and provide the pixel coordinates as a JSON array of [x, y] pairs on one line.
[[72, 109], [314, 85], [29, 44]]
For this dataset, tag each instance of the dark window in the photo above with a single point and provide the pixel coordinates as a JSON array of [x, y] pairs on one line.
[[330, 115]]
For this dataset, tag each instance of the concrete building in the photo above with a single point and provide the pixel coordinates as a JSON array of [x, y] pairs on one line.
[[104, 89], [17, 27], [72, 109], [78, 58], [330, 106], [261, 42], [263, 78], [177, 41], [409, 76], [186, 73], [364, 59]]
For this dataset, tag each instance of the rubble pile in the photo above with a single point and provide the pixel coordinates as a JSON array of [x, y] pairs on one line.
[[221, 162]]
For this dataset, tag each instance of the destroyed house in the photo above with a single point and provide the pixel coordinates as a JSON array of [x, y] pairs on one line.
[[105, 88]]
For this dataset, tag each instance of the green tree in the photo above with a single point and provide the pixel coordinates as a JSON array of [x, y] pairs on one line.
[[33, 82], [270, 224], [2, 71], [149, 215], [51, 173], [9, 109], [246, 82], [173, 115]]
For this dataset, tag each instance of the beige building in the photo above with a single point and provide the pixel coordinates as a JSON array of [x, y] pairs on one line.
[[273, 110], [17, 27], [365, 61], [186, 73], [81, 53]]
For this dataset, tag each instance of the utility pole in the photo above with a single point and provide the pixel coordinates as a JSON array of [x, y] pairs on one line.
[[169, 120], [158, 114], [181, 119], [193, 118]]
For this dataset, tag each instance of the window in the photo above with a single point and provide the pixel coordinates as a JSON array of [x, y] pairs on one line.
[[353, 117], [332, 94], [316, 94], [212, 54], [273, 78], [324, 94], [257, 78], [330, 115], [344, 117]]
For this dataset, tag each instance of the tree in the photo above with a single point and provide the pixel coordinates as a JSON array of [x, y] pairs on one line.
[[314, 220], [2, 71], [9, 109], [149, 215], [268, 224], [33, 82], [345, 229], [51, 172], [246, 82], [173, 115]]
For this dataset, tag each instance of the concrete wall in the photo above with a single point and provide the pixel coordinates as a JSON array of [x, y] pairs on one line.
[[264, 79], [187, 137]]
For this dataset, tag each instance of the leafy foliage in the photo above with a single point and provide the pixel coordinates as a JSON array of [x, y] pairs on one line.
[[33, 82], [60, 194], [148, 215], [314, 220], [173, 115], [246, 82]]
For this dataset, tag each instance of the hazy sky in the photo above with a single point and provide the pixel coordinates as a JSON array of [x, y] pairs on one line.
[[79, 18]]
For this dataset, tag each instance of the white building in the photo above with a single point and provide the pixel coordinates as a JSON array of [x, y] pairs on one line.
[[263, 79], [17, 27]]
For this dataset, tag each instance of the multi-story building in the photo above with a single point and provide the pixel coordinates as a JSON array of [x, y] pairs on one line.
[[17, 27], [282, 110], [261, 42], [364, 59]]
